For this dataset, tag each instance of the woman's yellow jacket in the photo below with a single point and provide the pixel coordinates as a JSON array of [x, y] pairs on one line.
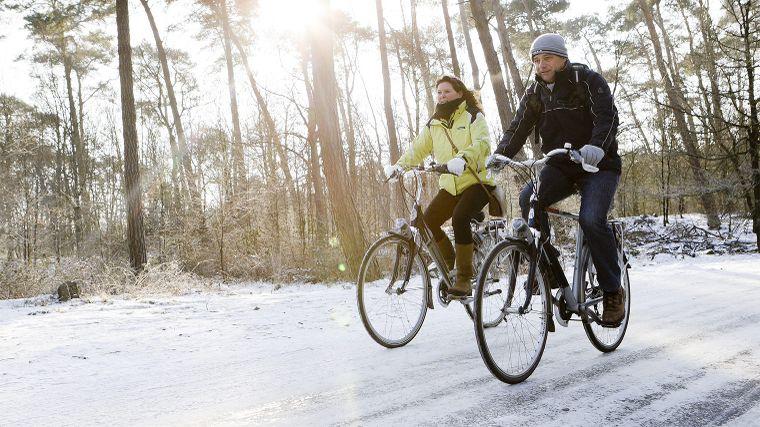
[[469, 132]]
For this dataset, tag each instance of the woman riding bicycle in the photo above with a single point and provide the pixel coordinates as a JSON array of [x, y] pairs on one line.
[[457, 135]]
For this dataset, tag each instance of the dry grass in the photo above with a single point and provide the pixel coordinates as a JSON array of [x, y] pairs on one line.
[[98, 278]]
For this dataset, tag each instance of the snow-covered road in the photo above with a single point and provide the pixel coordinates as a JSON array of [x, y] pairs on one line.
[[300, 356]]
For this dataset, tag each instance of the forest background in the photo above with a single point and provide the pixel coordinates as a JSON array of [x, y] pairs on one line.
[[255, 142]]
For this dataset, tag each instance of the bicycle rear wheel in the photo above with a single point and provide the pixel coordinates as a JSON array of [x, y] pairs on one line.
[[604, 339], [392, 291], [511, 343], [485, 244]]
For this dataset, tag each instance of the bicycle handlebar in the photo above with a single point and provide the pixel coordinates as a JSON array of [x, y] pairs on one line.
[[498, 161], [439, 168]]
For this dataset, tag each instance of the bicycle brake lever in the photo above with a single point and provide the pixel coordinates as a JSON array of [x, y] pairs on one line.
[[577, 158], [588, 168]]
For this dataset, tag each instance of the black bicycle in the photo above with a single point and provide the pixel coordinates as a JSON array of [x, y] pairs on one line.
[[402, 270], [520, 271]]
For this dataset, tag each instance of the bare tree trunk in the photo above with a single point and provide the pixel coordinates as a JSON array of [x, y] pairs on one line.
[[450, 37], [422, 62], [464, 16], [349, 227], [184, 157], [238, 165], [492, 60], [348, 130], [79, 170], [315, 169], [410, 126], [678, 106], [132, 190], [745, 22], [506, 48], [388, 107], [270, 126]]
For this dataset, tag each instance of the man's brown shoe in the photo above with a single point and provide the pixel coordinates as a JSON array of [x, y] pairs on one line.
[[614, 308]]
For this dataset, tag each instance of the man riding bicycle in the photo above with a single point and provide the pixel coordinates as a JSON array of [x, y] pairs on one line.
[[569, 103]]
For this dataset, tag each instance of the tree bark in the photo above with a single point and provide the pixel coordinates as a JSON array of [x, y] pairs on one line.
[[388, 107], [132, 190], [315, 168], [79, 171], [450, 37], [464, 16], [422, 62], [238, 165], [678, 106], [349, 227], [492, 60], [393, 147]]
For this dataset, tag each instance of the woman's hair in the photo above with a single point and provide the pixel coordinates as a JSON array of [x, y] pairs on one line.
[[467, 94]]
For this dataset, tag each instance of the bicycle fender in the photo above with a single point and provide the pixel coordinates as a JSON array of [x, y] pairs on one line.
[[403, 237]]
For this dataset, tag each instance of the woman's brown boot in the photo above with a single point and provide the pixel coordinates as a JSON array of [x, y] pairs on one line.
[[463, 284], [447, 250]]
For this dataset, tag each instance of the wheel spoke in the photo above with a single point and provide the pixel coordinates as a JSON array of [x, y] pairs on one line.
[[392, 318], [604, 339], [512, 350]]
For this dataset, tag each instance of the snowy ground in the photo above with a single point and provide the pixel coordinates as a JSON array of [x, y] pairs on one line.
[[300, 356]]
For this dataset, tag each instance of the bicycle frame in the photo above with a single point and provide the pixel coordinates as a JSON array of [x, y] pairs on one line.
[[573, 293], [416, 231]]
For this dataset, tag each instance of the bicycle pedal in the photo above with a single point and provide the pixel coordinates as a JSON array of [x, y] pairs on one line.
[[610, 325]]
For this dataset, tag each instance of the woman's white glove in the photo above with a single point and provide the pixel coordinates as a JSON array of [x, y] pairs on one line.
[[392, 171], [591, 154], [456, 166]]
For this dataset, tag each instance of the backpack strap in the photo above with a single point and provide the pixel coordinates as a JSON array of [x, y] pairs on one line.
[[534, 104], [578, 72]]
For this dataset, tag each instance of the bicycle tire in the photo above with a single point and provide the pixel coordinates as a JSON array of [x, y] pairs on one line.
[[604, 339], [487, 243], [509, 287], [369, 293]]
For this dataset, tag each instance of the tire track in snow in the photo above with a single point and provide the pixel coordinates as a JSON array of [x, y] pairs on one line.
[[487, 412]]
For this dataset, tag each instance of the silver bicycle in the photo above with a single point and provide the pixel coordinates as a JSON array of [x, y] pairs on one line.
[[520, 271], [402, 270]]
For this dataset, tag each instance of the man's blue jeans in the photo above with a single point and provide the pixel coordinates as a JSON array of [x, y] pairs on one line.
[[597, 192]]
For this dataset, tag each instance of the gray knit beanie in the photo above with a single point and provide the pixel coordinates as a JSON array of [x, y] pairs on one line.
[[548, 43]]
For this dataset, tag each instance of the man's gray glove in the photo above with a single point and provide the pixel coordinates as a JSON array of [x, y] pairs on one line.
[[496, 162], [591, 154]]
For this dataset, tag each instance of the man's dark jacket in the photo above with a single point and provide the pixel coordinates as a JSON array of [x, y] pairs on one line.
[[579, 113]]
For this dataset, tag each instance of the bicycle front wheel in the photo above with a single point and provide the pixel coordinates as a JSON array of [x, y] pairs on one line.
[[604, 339], [511, 341], [392, 291]]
